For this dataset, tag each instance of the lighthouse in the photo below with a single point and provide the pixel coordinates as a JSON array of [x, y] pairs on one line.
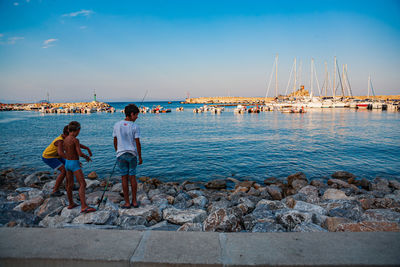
[[94, 95]]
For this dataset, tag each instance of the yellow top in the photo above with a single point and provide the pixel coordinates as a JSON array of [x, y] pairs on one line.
[[51, 151]]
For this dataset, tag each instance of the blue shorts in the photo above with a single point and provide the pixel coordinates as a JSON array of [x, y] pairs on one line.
[[54, 163], [72, 165], [127, 164]]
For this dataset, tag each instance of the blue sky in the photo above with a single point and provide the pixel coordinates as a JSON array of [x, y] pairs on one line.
[[200, 48]]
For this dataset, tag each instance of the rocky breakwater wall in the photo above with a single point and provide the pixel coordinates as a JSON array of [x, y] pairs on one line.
[[342, 203]]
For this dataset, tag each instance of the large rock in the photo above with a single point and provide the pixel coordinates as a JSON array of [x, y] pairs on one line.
[[338, 184], [130, 222], [381, 215], [30, 205], [369, 227], [200, 202], [222, 204], [261, 214], [394, 184], [379, 203], [297, 177], [93, 175], [117, 188], [275, 192], [94, 198], [92, 184], [290, 218], [149, 212], [223, 220], [50, 206], [69, 214], [332, 223], [195, 193], [311, 192], [334, 194], [380, 185], [343, 175], [216, 184], [182, 201], [271, 204], [48, 187], [191, 227], [177, 216], [246, 205], [18, 217], [191, 186], [32, 179], [264, 227], [308, 227], [98, 217], [53, 221], [350, 209], [304, 206]]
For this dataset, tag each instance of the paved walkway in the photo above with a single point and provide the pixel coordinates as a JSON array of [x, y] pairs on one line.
[[79, 247]]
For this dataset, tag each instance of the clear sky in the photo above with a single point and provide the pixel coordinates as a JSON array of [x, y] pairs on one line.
[[68, 48]]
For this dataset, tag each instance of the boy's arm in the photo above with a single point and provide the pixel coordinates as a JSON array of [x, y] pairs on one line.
[[79, 151], [60, 148], [115, 143], [87, 148], [139, 150]]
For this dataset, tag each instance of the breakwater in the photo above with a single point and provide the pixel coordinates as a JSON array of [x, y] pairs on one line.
[[342, 203], [78, 107]]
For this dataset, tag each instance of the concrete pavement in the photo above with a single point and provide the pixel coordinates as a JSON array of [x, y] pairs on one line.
[[81, 247]]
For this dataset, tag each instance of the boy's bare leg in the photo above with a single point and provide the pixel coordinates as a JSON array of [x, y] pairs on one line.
[[134, 189], [59, 179], [82, 188], [125, 189], [70, 185]]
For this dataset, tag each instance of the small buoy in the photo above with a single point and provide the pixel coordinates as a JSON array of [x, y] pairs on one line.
[[92, 175]]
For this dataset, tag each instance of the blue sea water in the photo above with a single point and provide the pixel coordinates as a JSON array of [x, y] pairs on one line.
[[180, 146]]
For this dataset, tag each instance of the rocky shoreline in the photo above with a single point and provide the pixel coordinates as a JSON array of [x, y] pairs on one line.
[[339, 204]]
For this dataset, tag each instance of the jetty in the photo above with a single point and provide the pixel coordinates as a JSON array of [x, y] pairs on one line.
[[46, 107]]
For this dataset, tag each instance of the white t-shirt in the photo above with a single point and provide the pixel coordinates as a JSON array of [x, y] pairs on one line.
[[126, 133]]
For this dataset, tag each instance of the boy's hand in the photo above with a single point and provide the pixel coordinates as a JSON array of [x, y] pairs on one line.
[[88, 158], [140, 161], [90, 152]]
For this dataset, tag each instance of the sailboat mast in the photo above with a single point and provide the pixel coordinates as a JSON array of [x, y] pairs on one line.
[[369, 84], [326, 78], [295, 77], [311, 76], [334, 79], [276, 76], [343, 80]]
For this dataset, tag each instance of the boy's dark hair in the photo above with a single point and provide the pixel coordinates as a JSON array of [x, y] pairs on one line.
[[74, 126], [131, 108], [65, 130]]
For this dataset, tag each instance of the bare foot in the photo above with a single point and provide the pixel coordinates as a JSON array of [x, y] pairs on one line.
[[70, 207]]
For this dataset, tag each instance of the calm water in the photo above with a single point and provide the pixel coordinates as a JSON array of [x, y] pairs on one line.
[[183, 145]]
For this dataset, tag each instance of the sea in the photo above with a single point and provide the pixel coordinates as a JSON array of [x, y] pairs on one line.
[[181, 146]]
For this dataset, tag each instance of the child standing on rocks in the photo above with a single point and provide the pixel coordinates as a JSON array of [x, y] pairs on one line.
[[73, 167], [127, 145]]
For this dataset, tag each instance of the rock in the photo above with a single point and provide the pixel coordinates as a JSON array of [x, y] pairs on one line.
[[380, 185], [247, 184], [239, 189], [379, 203], [177, 216], [394, 184], [264, 227], [144, 179], [170, 200], [318, 183], [200, 202], [222, 204], [365, 184], [216, 184], [48, 187], [246, 205], [308, 227], [164, 226], [182, 201], [35, 193], [298, 184], [369, 227], [195, 193], [223, 220], [53, 221], [69, 214], [153, 192], [253, 192], [130, 222], [24, 189], [275, 192], [332, 223], [304, 206], [18, 217], [334, 194], [381, 215], [272, 181], [191, 227], [343, 175], [290, 218], [271, 204], [92, 175], [98, 217], [92, 184], [297, 177], [350, 209], [94, 197], [50, 206], [338, 184], [30, 205], [236, 181], [117, 188], [17, 198], [260, 214], [311, 192], [31, 179], [191, 186], [149, 212]]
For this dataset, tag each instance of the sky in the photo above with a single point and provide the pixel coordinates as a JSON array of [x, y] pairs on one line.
[[169, 50]]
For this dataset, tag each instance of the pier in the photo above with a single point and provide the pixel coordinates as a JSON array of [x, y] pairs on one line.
[[45, 107]]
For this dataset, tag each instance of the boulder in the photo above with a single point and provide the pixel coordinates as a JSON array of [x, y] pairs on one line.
[[200, 202], [216, 184], [191, 186], [32, 179], [117, 188], [381, 215], [380, 185], [304, 206], [264, 227], [182, 201], [299, 184], [92, 184], [223, 220], [153, 192], [50, 206], [247, 184], [246, 205], [379, 203], [130, 222], [311, 192], [334, 194], [297, 177], [338, 184], [343, 175], [18, 218], [308, 228], [369, 227], [365, 184], [53, 221], [195, 193], [272, 181], [394, 184], [350, 209], [94, 197], [191, 227], [332, 223], [69, 214], [275, 192], [253, 192], [48, 187], [261, 214], [240, 189], [92, 175], [271, 204], [222, 204], [149, 212], [98, 217], [30, 205], [318, 183], [177, 216], [290, 218]]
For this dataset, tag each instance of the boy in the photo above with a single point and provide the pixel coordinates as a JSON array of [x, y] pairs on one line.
[[72, 166], [127, 145]]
